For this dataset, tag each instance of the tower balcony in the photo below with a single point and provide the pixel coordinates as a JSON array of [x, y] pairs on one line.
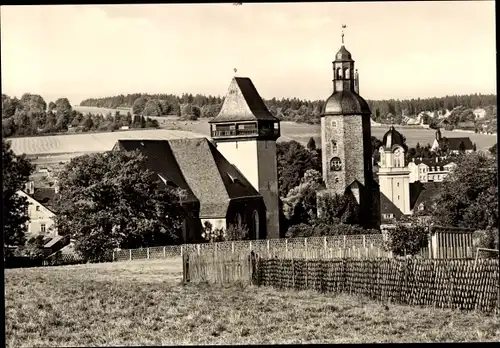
[[245, 130]]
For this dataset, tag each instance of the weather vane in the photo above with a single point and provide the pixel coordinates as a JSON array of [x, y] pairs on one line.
[[343, 27], [235, 70]]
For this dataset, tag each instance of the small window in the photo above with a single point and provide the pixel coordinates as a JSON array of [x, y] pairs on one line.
[[398, 197], [336, 180], [397, 184], [37, 208], [334, 124], [334, 146], [42, 228]]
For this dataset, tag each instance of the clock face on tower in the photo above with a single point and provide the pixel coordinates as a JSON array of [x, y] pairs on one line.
[[397, 152]]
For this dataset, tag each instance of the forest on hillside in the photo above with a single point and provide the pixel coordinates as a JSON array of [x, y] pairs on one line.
[[31, 115], [307, 111]]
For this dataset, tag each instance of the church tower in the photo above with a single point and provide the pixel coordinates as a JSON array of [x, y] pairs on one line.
[[346, 139], [245, 132], [393, 174]]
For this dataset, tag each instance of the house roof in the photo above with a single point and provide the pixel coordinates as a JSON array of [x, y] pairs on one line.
[[422, 192], [387, 207], [45, 196], [393, 137], [198, 167], [454, 143], [243, 103], [432, 163]]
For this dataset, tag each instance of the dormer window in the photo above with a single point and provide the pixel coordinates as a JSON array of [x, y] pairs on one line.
[[334, 146]]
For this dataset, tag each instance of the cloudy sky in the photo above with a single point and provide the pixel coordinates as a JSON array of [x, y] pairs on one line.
[[402, 49]]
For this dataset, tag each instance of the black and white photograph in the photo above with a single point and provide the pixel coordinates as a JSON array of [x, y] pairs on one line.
[[255, 173]]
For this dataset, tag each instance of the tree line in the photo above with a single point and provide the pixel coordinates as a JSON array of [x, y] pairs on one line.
[[291, 109], [31, 115]]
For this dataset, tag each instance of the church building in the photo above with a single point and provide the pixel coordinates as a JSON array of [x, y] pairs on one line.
[[229, 180], [346, 142]]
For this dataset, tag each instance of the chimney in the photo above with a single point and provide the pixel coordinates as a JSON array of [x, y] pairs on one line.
[[356, 82], [56, 186]]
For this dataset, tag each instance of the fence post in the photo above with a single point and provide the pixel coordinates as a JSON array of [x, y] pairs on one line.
[[182, 250], [232, 247], [268, 252], [364, 241], [305, 244], [344, 241], [113, 256], [164, 253], [147, 252], [250, 246], [198, 249], [324, 241], [130, 254], [286, 246]]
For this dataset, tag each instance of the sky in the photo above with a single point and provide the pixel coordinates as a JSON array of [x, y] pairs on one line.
[[401, 49]]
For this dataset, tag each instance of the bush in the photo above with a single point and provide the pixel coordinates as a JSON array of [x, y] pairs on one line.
[[407, 239], [236, 232], [487, 239]]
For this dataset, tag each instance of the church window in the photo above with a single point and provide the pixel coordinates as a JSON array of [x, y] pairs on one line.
[[398, 184], [37, 208], [339, 73], [335, 164], [346, 73], [43, 228], [336, 180], [334, 146], [398, 197], [333, 124]]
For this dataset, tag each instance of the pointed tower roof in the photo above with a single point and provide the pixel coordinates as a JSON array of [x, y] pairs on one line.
[[392, 137], [343, 55], [243, 103]]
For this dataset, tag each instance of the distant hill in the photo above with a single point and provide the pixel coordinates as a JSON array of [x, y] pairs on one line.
[[307, 111]]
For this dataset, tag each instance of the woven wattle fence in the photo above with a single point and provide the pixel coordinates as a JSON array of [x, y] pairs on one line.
[[460, 284]]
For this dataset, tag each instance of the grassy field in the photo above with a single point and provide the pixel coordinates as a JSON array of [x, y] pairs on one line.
[[143, 303]]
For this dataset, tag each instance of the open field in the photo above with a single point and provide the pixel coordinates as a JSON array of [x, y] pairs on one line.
[[143, 303]]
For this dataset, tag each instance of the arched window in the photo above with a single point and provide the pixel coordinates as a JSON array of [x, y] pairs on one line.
[[255, 219], [346, 73], [339, 73], [335, 164]]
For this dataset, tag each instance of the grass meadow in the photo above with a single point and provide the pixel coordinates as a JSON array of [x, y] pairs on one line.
[[144, 303]]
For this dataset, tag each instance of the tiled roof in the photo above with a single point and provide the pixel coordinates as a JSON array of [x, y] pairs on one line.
[[197, 166], [45, 196], [432, 163], [454, 143], [346, 103], [243, 103], [387, 207], [393, 137]]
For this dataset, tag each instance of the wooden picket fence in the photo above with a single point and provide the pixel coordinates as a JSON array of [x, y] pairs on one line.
[[461, 284]]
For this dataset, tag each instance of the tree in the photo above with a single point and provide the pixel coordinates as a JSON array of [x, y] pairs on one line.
[[293, 160], [299, 206], [468, 197], [109, 200], [15, 171], [334, 209], [139, 105], [311, 144], [152, 108], [51, 106], [62, 105], [493, 149]]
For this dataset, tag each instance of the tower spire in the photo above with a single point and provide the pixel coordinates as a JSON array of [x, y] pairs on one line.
[[343, 27]]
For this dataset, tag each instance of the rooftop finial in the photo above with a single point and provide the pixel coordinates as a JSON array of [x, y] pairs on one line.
[[343, 27], [235, 71]]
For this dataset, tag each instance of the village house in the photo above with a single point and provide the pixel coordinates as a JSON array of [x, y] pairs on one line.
[[430, 170], [453, 145]]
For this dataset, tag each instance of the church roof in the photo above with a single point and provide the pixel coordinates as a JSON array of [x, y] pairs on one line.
[[243, 103], [198, 167], [392, 137], [343, 55], [346, 103]]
